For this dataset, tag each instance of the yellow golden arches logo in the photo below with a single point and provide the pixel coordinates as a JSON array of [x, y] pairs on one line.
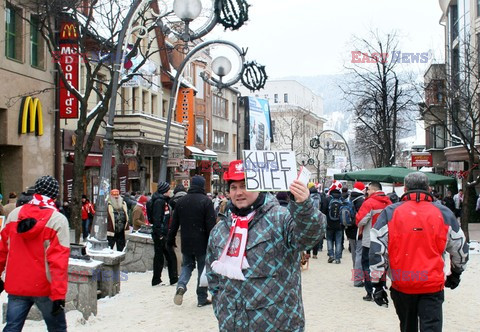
[[31, 116], [69, 30]]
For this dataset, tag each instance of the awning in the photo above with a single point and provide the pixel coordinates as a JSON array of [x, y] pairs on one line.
[[92, 160], [198, 154]]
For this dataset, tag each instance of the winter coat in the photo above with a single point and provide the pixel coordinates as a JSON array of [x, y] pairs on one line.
[[331, 224], [270, 299], [87, 208], [156, 208], [7, 208], [36, 261], [357, 198], [194, 213], [368, 214], [138, 217], [413, 235]]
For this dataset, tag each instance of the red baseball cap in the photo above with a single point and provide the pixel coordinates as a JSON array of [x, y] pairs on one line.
[[235, 171]]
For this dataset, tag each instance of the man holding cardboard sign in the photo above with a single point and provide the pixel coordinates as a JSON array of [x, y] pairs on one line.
[[257, 246]]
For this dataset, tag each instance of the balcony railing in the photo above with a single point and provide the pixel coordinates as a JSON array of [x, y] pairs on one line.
[[146, 128]]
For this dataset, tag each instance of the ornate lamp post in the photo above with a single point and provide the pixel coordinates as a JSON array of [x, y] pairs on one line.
[[316, 143], [305, 159]]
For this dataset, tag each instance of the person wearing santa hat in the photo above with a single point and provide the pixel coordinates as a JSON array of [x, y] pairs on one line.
[[334, 233], [357, 197], [253, 257]]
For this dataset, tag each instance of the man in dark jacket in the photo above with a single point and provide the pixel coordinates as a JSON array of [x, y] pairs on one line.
[[158, 213], [194, 213], [357, 197], [413, 249], [334, 226]]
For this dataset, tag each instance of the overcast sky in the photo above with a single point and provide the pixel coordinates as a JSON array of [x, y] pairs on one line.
[[312, 37]]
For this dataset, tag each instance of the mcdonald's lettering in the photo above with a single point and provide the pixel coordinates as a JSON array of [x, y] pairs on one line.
[[31, 117], [68, 31]]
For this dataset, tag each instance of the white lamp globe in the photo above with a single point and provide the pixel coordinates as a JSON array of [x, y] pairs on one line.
[[187, 10], [221, 66]]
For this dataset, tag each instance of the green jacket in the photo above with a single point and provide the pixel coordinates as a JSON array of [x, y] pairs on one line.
[[270, 299]]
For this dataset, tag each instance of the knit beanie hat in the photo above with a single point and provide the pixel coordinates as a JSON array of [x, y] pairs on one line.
[[47, 186], [142, 199], [163, 187], [178, 188], [198, 181]]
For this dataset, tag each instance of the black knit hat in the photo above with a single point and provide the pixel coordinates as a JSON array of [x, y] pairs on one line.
[[178, 188], [47, 186], [198, 181], [163, 187]]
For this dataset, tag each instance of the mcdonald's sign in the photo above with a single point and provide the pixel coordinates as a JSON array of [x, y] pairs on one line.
[[68, 31], [31, 117]]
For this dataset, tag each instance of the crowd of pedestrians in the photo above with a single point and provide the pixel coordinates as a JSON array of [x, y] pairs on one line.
[[249, 245]]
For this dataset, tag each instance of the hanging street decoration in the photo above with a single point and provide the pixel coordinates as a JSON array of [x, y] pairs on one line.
[[254, 76], [231, 13]]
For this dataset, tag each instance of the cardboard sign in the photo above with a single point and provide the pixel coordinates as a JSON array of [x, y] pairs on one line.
[[269, 170]]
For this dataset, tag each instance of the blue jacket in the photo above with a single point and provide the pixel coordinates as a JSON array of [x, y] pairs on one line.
[[270, 299]]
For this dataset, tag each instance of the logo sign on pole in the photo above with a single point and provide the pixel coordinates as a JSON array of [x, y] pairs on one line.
[[69, 59], [31, 117], [269, 170], [420, 159]]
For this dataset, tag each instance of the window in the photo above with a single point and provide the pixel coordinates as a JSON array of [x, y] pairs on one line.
[[234, 112], [435, 137], [478, 8], [207, 132], [154, 104], [275, 98], [36, 44], [454, 22], [220, 141], [219, 107], [285, 97], [199, 83], [273, 128], [234, 141], [13, 33], [199, 131], [145, 102]]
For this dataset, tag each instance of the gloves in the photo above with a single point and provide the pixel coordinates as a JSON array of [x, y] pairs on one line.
[[58, 306], [1, 286], [380, 295], [452, 280]]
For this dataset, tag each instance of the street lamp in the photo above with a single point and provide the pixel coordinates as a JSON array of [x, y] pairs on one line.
[[315, 143]]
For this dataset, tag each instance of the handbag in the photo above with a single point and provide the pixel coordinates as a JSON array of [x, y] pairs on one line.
[[203, 278]]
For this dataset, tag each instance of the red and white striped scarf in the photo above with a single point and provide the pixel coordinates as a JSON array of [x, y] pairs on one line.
[[144, 211], [233, 258], [43, 201]]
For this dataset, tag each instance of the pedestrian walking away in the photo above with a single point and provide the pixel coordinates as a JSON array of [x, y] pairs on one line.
[[195, 215], [411, 238], [34, 253], [253, 257]]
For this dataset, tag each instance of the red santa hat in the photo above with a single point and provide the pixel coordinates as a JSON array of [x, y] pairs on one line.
[[359, 186]]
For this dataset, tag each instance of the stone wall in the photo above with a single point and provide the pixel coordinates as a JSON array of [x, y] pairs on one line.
[[139, 253]]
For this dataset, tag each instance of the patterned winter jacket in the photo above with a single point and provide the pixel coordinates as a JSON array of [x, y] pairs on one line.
[[270, 299]]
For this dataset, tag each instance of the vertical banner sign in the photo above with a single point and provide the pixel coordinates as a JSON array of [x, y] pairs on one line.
[[185, 114], [122, 178], [69, 59], [67, 182], [269, 170], [258, 123]]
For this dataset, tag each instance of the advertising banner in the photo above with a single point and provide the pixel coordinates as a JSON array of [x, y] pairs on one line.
[[258, 124], [69, 60], [185, 105], [421, 159]]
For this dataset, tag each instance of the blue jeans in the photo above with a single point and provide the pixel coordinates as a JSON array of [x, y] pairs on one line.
[[335, 237], [85, 227], [19, 306], [188, 265]]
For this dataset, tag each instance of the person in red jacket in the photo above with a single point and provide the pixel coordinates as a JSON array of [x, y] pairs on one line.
[[411, 238], [366, 218], [34, 252]]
